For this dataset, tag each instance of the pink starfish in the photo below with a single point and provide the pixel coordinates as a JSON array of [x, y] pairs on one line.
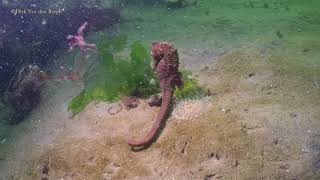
[[78, 40]]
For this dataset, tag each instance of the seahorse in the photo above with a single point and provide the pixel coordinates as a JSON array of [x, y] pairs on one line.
[[166, 64]]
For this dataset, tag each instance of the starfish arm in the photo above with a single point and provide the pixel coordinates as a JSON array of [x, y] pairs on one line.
[[82, 28], [70, 37]]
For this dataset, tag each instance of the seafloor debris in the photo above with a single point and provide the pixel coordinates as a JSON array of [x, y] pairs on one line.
[[114, 109], [130, 102], [154, 100]]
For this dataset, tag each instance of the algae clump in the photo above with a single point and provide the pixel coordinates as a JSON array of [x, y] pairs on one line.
[[111, 78], [191, 89]]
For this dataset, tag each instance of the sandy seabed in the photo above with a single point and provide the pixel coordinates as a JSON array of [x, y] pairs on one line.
[[257, 124]]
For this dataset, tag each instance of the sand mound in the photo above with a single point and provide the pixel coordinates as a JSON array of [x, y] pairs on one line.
[[191, 109]]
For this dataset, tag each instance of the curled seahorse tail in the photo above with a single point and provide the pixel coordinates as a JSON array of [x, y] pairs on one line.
[[166, 99]]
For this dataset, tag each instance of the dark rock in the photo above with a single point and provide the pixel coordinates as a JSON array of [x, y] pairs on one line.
[[154, 100], [235, 163], [209, 176], [23, 92], [45, 169], [251, 74]]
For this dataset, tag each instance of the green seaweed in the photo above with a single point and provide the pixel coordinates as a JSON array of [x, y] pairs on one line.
[[30, 172], [112, 78], [191, 89]]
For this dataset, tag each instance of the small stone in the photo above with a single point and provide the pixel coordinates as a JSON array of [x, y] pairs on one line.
[[201, 169], [251, 74], [284, 166], [114, 109], [204, 68], [209, 176], [305, 50], [235, 163], [154, 100], [45, 169], [225, 110], [211, 155], [293, 115]]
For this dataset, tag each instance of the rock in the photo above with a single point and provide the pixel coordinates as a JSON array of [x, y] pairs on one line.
[[114, 109], [23, 93], [205, 68], [3, 140], [235, 163], [251, 74], [225, 110], [209, 176], [154, 100]]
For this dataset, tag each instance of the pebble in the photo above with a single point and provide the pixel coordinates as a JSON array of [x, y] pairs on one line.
[[235, 163], [204, 68], [195, 50], [225, 110], [251, 74], [3, 140]]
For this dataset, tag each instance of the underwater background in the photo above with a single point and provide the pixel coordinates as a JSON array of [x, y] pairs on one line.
[[249, 108]]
